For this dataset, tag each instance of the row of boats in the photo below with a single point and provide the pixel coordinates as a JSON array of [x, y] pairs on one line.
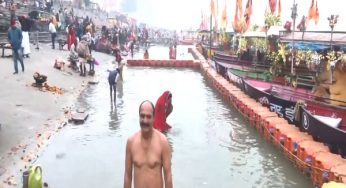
[[325, 122]]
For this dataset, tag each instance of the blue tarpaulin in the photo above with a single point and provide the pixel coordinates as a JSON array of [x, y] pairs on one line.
[[308, 46]]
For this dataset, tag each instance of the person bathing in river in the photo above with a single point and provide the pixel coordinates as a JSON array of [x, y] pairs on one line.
[[112, 80], [163, 109], [148, 154]]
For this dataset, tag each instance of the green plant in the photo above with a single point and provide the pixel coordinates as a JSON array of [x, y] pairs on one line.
[[259, 43], [277, 59], [243, 42], [271, 19]]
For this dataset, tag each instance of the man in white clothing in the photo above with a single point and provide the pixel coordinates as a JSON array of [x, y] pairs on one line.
[[52, 30]]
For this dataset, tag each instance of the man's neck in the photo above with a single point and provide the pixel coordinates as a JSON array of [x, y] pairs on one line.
[[147, 135]]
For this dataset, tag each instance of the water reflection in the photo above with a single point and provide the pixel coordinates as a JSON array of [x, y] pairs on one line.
[[113, 122]]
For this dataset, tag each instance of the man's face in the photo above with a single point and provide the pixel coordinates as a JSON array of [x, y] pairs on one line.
[[146, 117]]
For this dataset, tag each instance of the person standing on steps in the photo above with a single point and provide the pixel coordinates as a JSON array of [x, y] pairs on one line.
[[15, 38], [52, 30], [26, 26]]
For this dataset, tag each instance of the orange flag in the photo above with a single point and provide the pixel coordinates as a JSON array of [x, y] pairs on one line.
[[212, 8], [279, 11], [248, 13], [317, 14], [240, 5], [217, 14], [224, 17], [238, 13], [312, 10]]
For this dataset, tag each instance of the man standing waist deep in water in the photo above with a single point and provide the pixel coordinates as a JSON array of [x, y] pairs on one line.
[[148, 154]]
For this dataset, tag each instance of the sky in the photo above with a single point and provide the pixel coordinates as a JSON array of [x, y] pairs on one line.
[[186, 14]]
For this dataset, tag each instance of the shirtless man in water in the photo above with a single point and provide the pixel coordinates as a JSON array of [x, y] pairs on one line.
[[148, 154]]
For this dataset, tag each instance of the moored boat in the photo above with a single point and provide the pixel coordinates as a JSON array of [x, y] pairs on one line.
[[324, 122]]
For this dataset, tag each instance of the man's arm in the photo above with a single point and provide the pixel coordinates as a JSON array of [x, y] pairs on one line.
[[20, 35], [166, 159], [9, 37], [128, 166]]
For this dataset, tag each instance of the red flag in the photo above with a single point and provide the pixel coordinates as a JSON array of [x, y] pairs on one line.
[[212, 8], [279, 11], [317, 14], [272, 5]]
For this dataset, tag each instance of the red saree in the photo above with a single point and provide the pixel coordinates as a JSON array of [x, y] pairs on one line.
[[71, 38], [162, 110]]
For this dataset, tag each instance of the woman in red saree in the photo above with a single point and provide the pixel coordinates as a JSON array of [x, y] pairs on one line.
[[163, 108], [71, 37]]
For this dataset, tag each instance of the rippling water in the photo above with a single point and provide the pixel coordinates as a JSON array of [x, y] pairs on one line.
[[212, 144]]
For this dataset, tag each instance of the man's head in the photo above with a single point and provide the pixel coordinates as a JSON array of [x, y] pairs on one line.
[[146, 115]]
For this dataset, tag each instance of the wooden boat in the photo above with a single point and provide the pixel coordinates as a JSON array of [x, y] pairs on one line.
[[228, 61], [326, 123], [325, 129], [251, 74]]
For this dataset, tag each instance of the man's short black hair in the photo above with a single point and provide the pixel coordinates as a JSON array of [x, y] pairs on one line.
[[152, 105]]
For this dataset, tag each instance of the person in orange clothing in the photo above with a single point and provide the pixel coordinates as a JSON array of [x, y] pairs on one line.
[[163, 109], [146, 54]]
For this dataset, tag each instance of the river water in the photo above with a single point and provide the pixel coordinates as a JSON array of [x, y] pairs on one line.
[[213, 146]]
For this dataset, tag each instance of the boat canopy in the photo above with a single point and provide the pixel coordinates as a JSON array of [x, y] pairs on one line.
[[308, 46], [322, 37]]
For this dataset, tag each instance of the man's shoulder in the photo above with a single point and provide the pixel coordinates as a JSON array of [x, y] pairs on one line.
[[133, 137], [161, 136]]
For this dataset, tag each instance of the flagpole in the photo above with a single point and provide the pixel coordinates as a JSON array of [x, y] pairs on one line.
[[210, 38], [294, 16]]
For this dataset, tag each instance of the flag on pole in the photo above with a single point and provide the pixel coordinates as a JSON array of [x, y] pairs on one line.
[[272, 5], [238, 13], [311, 14], [216, 25], [248, 13], [212, 8], [317, 14], [224, 17], [279, 8]]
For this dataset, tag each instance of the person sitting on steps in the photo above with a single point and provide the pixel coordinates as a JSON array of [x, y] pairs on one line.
[[39, 79]]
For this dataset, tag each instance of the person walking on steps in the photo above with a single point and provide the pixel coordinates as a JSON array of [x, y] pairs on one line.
[[15, 38], [52, 30]]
